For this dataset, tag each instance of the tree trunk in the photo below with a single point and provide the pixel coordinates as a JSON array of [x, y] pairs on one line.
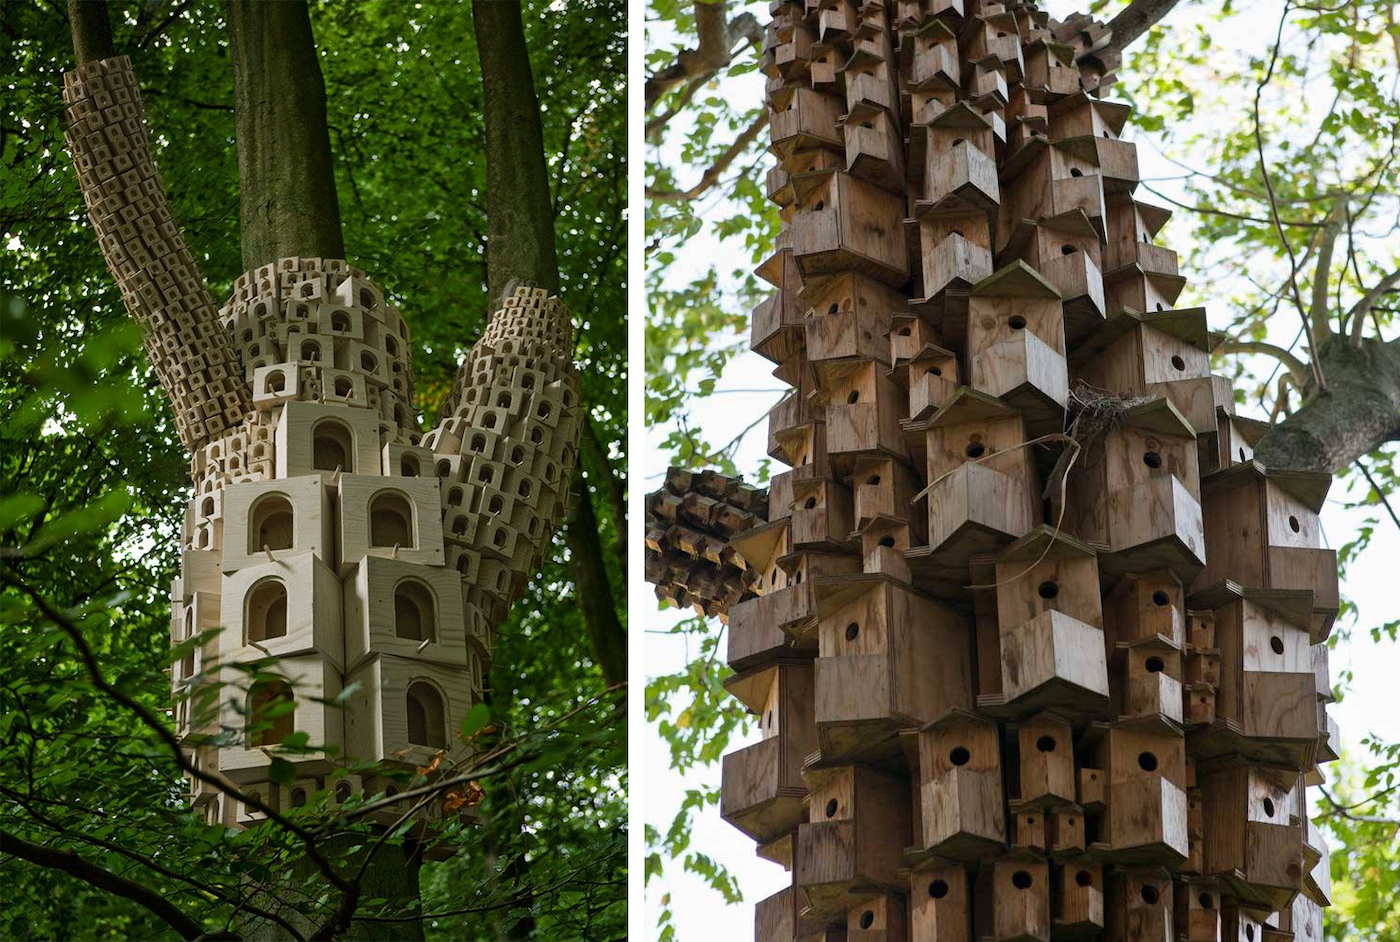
[[595, 588], [1359, 411], [519, 211], [92, 30], [286, 176]]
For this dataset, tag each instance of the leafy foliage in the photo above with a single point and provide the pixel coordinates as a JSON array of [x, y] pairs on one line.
[[94, 482]]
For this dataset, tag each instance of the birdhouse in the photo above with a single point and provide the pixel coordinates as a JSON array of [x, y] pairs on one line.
[[885, 489], [1238, 924], [890, 658], [1014, 334], [402, 711], [1065, 830], [933, 56], [1267, 686], [1050, 69], [959, 164], [932, 378], [1138, 493], [776, 324], [1050, 182], [283, 608], [909, 334], [982, 491], [821, 516], [295, 697], [1196, 910], [1078, 901], [846, 318], [400, 518], [858, 824], [940, 905], [1165, 353], [882, 918], [1146, 769], [1029, 829], [761, 789], [1140, 906], [1065, 253], [993, 38], [1145, 607], [1131, 227], [956, 252], [1016, 888], [807, 120], [312, 437], [1093, 126], [396, 607], [843, 224], [1046, 746], [1255, 848], [1151, 685], [779, 917], [1264, 532], [961, 787], [874, 139], [863, 411], [1234, 439], [1052, 645]]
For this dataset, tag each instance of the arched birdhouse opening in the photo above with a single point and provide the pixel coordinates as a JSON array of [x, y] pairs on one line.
[[427, 724]]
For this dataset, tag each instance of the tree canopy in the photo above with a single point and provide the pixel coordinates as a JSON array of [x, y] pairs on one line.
[[1283, 143], [94, 481]]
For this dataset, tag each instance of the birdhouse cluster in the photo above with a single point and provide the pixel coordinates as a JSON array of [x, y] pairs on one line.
[[1035, 647]]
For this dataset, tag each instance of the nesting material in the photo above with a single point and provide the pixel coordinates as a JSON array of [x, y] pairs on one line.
[[1033, 643]]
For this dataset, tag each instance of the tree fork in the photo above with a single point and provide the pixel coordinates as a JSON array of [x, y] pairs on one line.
[[285, 170]]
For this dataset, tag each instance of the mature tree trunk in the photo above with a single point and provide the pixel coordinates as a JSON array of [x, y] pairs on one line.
[[519, 211], [91, 26], [285, 172], [520, 247], [1358, 411]]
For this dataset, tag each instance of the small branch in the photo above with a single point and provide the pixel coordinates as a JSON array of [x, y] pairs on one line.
[[714, 50], [1297, 369], [1379, 493], [73, 865], [712, 175], [1319, 323], [1356, 317], [1135, 19]]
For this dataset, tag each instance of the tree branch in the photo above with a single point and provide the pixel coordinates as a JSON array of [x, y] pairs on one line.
[[75, 866], [712, 175], [1296, 367], [715, 48], [1356, 317], [1318, 320], [1135, 19]]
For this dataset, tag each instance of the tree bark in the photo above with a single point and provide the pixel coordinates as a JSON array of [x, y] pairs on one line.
[[285, 172], [1357, 413], [92, 30], [605, 630], [519, 213]]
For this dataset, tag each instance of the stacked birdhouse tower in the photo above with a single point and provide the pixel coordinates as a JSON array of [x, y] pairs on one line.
[[1035, 646], [357, 567]]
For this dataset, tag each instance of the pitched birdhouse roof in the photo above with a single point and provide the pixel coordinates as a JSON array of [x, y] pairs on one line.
[[1159, 417], [1309, 487], [1293, 605], [1016, 280], [1045, 542]]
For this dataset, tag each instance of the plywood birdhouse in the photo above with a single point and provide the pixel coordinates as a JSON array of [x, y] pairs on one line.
[[961, 788], [858, 823], [761, 790]]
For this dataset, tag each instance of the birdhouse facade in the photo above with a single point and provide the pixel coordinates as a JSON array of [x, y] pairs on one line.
[[362, 564], [1018, 533]]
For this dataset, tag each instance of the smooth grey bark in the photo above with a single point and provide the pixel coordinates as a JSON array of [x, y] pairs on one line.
[[285, 171], [91, 26]]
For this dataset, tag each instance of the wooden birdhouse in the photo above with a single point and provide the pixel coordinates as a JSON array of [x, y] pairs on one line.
[[1045, 743], [1166, 354], [956, 252], [821, 515], [858, 824], [1240, 924], [874, 140], [283, 608], [1052, 642], [1131, 228], [889, 658], [1234, 439], [1267, 702], [400, 518], [1015, 347], [847, 317], [1016, 891], [400, 608], [932, 377], [1093, 126], [1050, 68], [312, 437], [1066, 254], [1197, 910], [982, 483], [885, 489], [761, 790], [882, 918], [1029, 829], [1255, 848], [1140, 906], [909, 334], [863, 409], [1146, 606], [959, 163], [1146, 768], [961, 787], [1050, 182], [776, 324], [1138, 493], [940, 902], [1078, 899], [843, 224], [1264, 532], [1150, 681], [1066, 831], [779, 917], [806, 121], [933, 56], [270, 708]]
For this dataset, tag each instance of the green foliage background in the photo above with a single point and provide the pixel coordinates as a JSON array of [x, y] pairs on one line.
[[94, 481]]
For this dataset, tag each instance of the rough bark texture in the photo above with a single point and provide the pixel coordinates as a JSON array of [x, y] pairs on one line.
[[1358, 412], [92, 30], [520, 215], [1137, 18], [285, 172]]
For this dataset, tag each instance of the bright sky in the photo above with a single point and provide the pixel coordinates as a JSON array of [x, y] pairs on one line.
[[700, 913]]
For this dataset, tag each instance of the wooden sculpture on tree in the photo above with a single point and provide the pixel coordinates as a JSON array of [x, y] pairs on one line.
[[1035, 645], [326, 530]]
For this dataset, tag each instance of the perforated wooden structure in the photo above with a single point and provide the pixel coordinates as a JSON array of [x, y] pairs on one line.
[[1035, 645], [326, 529]]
